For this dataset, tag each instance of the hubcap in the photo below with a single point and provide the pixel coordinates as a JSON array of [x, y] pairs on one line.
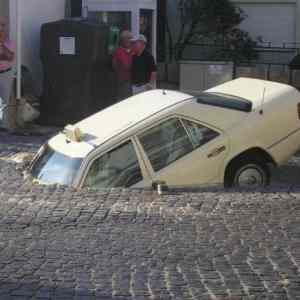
[[250, 177]]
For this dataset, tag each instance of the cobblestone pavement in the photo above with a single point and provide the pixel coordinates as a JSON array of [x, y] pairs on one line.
[[58, 243]]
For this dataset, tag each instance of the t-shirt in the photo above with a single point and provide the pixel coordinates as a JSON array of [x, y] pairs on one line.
[[122, 61], [142, 67], [4, 64]]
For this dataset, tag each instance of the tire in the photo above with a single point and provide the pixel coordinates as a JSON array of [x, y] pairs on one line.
[[249, 173]]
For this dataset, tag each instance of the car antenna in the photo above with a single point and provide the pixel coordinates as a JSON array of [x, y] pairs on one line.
[[164, 92], [263, 102]]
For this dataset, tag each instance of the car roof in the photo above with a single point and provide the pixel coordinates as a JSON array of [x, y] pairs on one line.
[[119, 117], [255, 90]]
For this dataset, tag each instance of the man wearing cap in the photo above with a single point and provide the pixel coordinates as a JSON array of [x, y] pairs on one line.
[[143, 73], [7, 57], [122, 61]]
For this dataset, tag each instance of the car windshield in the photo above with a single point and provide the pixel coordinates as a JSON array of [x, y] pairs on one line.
[[52, 167]]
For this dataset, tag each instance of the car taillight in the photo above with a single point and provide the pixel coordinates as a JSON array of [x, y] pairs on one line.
[[298, 108]]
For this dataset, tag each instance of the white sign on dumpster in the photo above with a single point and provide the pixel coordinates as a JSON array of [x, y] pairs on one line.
[[67, 45]]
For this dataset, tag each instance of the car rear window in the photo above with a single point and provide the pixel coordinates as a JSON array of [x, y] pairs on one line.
[[225, 101]]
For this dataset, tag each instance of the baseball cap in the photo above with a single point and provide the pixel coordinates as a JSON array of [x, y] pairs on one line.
[[141, 37]]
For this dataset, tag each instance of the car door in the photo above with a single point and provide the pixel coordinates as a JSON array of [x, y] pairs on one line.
[[183, 152], [120, 166]]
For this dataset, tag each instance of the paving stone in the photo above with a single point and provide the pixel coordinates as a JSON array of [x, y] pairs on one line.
[[57, 243]]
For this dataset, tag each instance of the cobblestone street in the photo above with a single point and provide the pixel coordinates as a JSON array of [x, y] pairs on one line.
[[57, 243]]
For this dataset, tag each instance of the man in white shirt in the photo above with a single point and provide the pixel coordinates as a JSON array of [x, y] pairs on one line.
[[143, 71]]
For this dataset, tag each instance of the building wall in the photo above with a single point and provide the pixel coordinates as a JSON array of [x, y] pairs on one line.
[[276, 21], [34, 14]]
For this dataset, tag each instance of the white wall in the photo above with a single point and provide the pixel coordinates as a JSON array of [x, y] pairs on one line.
[[34, 14], [275, 23]]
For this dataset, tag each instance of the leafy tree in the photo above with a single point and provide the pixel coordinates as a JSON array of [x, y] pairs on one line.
[[238, 46], [211, 20]]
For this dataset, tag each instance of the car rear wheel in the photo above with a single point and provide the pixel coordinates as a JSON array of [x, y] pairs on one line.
[[248, 173]]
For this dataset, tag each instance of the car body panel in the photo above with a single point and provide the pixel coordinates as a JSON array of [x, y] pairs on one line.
[[92, 156], [70, 148], [205, 157], [127, 114], [273, 126], [196, 167]]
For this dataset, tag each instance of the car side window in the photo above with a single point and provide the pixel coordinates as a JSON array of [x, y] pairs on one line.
[[166, 143], [116, 168], [199, 134]]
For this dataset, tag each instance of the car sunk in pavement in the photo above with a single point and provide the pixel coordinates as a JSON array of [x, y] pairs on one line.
[[230, 134]]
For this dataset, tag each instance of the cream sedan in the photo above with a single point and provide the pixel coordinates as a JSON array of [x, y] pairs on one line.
[[230, 134]]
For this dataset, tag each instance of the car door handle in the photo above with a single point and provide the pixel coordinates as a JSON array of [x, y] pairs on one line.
[[157, 183], [160, 186], [216, 152]]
